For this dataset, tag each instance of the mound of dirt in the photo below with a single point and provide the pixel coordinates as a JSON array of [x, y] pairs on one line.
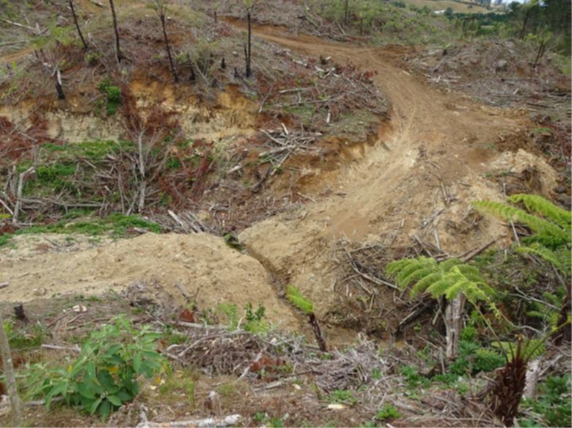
[[201, 264]]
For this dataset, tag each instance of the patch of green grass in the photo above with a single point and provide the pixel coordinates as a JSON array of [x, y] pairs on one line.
[[116, 225], [342, 396], [21, 340], [5, 239], [92, 150], [388, 413]]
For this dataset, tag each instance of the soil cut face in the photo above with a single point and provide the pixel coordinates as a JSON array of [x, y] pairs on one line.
[[417, 183], [203, 265]]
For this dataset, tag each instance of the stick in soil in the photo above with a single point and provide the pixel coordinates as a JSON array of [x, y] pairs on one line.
[[317, 332]]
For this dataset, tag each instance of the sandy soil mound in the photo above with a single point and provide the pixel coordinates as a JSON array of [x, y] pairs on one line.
[[195, 262]]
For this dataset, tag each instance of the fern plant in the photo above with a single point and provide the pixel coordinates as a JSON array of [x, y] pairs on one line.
[[449, 278], [551, 241], [551, 224], [561, 257]]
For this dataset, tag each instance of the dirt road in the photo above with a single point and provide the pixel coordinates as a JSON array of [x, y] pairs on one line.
[[417, 182]]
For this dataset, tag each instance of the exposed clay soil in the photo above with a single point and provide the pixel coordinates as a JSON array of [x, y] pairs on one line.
[[441, 151], [203, 265], [419, 181]]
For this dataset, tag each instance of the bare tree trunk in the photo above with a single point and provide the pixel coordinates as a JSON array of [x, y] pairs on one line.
[[346, 13], [563, 332], [532, 377], [116, 31], [19, 191], [317, 332], [10, 376], [540, 54], [453, 324], [249, 46], [77, 25], [142, 173], [59, 86], [523, 30], [168, 47]]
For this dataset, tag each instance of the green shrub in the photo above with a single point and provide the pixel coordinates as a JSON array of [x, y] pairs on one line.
[[106, 373], [113, 94], [552, 407], [342, 396], [388, 413], [473, 359]]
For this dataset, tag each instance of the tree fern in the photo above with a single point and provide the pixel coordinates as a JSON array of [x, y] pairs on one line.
[[449, 278], [551, 224]]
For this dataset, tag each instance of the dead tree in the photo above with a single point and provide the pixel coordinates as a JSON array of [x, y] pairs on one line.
[[542, 48], [116, 31], [454, 324], [160, 7], [249, 5], [10, 376], [75, 20], [59, 86], [52, 66]]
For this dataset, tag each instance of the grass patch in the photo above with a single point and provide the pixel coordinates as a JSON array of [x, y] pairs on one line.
[[116, 225], [92, 150]]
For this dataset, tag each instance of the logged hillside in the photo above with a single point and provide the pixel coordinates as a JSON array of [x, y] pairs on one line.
[[284, 213]]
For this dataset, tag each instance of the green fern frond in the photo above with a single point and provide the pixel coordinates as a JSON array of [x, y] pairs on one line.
[[552, 298], [460, 286], [538, 314], [440, 287], [542, 252], [413, 266], [448, 264], [533, 348], [415, 276], [395, 267], [552, 231], [449, 278], [554, 317], [539, 205], [564, 255], [469, 270], [422, 285], [295, 296], [536, 224]]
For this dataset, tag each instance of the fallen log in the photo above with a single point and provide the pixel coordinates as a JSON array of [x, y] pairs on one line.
[[231, 420]]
